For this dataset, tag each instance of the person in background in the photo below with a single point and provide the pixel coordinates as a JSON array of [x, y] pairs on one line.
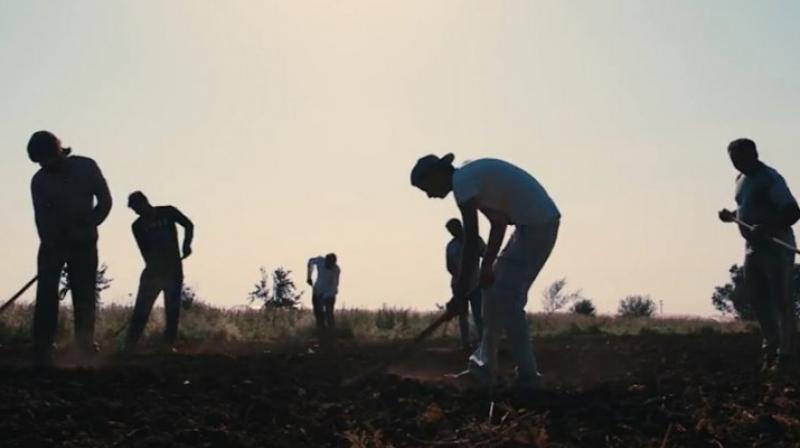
[[325, 289], [453, 258], [71, 200], [156, 235]]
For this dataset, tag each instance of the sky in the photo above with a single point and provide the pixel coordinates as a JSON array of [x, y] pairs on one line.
[[287, 130]]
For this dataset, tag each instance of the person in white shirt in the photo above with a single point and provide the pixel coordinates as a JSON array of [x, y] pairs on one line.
[[325, 288], [507, 196]]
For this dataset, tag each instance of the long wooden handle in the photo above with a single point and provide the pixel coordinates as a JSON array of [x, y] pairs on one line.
[[18, 294], [773, 239]]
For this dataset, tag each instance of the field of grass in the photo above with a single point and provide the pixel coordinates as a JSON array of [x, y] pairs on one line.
[[204, 323]]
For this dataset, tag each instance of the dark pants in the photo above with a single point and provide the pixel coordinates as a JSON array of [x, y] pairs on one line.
[[768, 279], [323, 311], [80, 259], [475, 299], [151, 284]]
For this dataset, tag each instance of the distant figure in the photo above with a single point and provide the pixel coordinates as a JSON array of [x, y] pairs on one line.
[[157, 237], [763, 200], [507, 196], [325, 289], [453, 256], [64, 192]]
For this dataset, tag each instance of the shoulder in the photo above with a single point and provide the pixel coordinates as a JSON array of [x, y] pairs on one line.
[[82, 161], [38, 177], [137, 223]]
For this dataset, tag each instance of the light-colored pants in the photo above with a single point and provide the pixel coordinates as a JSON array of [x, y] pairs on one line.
[[504, 302]]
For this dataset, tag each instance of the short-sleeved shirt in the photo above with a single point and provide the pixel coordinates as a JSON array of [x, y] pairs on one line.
[[499, 186], [64, 201], [327, 284], [759, 197], [157, 237]]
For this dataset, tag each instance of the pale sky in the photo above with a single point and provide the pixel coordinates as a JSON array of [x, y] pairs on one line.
[[288, 129]]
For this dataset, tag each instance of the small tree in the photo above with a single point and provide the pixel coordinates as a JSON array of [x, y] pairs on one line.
[[284, 291], [261, 292], [555, 296], [584, 307], [102, 282], [636, 306], [282, 294]]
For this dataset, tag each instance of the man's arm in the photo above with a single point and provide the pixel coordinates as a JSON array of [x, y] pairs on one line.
[[497, 233], [469, 253], [188, 230], [40, 212], [788, 211], [101, 191], [310, 270], [137, 235]]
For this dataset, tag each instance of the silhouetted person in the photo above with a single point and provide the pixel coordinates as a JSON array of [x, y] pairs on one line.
[[763, 200], [156, 235], [453, 257], [64, 191], [507, 196], [325, 289]]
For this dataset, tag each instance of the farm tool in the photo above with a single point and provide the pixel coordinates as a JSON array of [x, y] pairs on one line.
[[16, 296], [773, 239]]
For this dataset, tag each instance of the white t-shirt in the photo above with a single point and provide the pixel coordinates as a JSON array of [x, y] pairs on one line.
[[327, 284], [499, 186]]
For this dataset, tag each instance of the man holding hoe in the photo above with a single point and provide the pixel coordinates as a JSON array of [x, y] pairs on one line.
[[70, 200], [507, 196], [766, 211]]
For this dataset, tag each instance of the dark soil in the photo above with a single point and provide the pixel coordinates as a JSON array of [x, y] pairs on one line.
[[649, 391]]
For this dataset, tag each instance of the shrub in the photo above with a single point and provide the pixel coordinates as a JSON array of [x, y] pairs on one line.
[[636, 306], [584, 307]]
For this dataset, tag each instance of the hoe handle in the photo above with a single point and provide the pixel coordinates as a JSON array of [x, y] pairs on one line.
[[773, 239], [18, 294]]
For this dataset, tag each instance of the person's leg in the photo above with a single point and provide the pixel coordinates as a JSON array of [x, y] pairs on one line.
[[780, 281], [82, 275], [329, 313], [149, 288], [516, 271], [172, 307], [757, 288], [463, 329], [50, 262], [476, 303], [319, 312]]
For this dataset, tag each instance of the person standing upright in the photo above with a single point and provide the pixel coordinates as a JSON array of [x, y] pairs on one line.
[[325, 289], [764, 201], [71, 200]]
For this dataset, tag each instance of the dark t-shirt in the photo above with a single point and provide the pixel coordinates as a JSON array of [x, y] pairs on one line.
[[157, 238]]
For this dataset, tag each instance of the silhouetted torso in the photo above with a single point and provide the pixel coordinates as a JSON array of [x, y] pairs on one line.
[[64, 201], [157, 237]]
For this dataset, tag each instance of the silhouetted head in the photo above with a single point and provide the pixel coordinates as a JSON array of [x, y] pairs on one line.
[[45, 149], [434, 175], [330, 260], [455, 228], [744, 155], [139, 203]]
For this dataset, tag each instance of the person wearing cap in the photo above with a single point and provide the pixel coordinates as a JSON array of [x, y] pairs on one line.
[[64, 191], [156, 235], [325, 289], [507, 196], [453, 261], [764, 201]]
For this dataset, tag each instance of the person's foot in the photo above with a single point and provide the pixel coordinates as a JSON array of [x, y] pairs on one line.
[[784, 365], [768, 362]]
